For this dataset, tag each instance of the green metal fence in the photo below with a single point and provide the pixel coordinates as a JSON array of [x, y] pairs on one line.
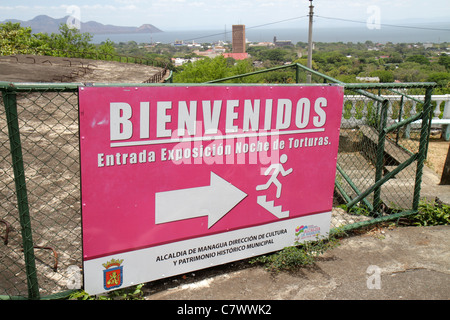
[[40, 186], [40, 218], [379, 165]]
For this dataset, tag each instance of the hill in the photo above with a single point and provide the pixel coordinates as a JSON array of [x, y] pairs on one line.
[[46, 24]]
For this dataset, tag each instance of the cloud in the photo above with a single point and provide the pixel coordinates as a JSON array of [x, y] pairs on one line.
[[197, 4], [98, 7], [128, 2]]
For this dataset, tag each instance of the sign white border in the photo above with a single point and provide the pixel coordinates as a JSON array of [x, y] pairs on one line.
[[149, 264]]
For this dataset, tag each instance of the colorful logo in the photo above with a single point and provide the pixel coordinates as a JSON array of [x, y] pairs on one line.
[[306, 232], [113, 275]]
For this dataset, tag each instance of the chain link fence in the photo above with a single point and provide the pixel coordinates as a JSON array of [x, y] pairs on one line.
[[382, 149], [378, 176], [48, 200]]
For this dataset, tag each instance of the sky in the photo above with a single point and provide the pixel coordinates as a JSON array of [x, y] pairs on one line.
[[170, 15]]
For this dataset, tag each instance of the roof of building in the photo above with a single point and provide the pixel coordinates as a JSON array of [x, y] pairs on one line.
[[236, 56]]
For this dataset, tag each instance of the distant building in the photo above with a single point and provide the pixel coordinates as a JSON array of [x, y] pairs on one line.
[[262, 44], [210, 53], [281, 43], [180, 61], [368, 79], [238, 41], [219, 49], [179, 43]]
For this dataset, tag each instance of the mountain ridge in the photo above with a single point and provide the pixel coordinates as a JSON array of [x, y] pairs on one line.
[[46, 24]]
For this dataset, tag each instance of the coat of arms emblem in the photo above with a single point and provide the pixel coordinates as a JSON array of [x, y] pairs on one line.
[[113, 274]]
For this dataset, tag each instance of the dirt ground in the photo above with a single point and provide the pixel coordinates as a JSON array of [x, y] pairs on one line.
[[29, 68], [437, 153]]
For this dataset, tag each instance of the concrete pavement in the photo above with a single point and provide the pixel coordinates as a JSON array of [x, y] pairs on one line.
[[382, 264]]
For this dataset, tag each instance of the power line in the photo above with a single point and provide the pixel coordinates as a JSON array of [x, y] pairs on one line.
[[266, 24], [258, 26], [317, 16], [385, 24]]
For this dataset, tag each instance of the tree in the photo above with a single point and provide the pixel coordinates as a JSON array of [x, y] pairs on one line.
[[241, 67], [106, 48], [384, 75], [15, 39], [72, 40], [444, 60], [417, 58], [441, 78], [395, 57], [208, 69], [276, 54], [203, 70], [304, 61], [410, 72]]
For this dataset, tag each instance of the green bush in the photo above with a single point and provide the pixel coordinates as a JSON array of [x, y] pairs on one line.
[[130, 293], [432, 214]]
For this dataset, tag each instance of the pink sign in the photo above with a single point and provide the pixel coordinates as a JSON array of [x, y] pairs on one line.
[[162, 164]]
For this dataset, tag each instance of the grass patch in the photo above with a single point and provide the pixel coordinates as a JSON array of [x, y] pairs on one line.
[[297, 256]]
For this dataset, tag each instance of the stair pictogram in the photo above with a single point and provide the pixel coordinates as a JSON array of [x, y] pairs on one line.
[[276, 169], [277, 211]]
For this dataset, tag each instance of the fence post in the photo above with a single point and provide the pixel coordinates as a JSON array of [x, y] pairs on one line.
[[423, 145], [400, 115], [10, 102]]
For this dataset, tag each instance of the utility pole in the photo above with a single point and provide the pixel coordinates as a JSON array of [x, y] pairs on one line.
[[310, 44]]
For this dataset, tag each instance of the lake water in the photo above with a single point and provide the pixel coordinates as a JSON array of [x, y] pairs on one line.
[[354, 34]]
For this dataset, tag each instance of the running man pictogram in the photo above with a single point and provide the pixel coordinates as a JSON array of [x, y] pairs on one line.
[[277, 168]]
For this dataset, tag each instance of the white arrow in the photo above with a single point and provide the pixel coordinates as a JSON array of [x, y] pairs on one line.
[[214, 201]]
